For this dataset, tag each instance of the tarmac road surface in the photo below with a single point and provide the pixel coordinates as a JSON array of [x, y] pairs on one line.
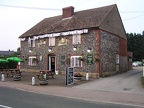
[[125, 89], [12, 98], [128, 82]]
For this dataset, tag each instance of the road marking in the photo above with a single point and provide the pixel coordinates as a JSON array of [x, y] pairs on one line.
[[3, 106]]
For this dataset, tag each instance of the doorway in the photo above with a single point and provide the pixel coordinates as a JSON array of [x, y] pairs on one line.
[[51, 62]]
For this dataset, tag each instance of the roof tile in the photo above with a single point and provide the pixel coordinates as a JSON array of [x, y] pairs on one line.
[[81, 19]]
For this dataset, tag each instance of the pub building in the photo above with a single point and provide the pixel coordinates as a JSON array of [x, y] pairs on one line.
[[92, 41]]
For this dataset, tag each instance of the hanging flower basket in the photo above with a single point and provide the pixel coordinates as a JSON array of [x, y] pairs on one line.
[[35, 60], [81, 58], [67, 61], [96, 59]]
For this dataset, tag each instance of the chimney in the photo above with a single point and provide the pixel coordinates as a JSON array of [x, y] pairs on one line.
[[68, 12]]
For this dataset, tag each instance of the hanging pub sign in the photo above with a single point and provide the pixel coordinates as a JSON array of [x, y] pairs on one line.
[[89, 59], [62, 60], [69, 75]]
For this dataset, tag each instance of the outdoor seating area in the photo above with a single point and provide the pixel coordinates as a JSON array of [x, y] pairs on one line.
[[47, 72], [12, 72], [26, 78], [10, 67]]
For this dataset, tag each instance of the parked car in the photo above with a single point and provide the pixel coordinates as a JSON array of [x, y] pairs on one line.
[[137, 63]]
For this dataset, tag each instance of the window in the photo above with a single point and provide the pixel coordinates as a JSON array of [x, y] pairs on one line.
[[117, 59], [51, 41], [75, 62], [76, 39], [32, 61], [31, 42]]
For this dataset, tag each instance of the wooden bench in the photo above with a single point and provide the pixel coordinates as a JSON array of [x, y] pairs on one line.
[[13, 72], [47, 72]]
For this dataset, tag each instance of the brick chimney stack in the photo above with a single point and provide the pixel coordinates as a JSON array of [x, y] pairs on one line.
[[68, 12]]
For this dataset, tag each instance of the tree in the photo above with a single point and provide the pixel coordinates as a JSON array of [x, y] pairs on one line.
[[136, 45]]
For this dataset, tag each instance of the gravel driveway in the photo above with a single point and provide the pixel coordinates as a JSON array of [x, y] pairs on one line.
[[128, 82]]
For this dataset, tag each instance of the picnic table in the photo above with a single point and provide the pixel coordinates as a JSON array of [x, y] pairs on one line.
[[1, 69], [47, 72], [13, 72]]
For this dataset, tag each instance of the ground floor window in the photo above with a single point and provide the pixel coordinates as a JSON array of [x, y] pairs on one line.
[[75, 62], [32, 61]]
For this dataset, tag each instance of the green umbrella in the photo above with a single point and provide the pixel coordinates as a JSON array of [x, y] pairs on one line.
[[14, 59], [3, 61]]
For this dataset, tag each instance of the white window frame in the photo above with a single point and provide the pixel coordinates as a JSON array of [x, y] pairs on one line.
[[117, 59], [76, 39], [51, 41], [31, 42], [75, 62], [31, 61]]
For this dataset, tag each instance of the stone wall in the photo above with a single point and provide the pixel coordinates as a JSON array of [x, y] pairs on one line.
[[87, 41], [62, 52], [36, 51], [109, 48]]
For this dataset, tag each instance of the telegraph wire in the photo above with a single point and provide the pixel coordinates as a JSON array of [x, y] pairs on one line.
[[134, 17], [132, 11], [52, 9], [36, 8]]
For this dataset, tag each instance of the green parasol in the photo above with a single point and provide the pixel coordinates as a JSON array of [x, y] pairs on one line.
[[14, 59], [3, 61]]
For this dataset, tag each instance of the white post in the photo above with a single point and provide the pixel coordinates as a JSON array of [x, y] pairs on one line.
[[3, 77], [143, 70], [56, 72], [87, 76], [143, 66], [33, 81]]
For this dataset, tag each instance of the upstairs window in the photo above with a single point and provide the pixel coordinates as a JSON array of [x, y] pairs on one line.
[[75, 62], [51, 41], [76, 39], [32, 61], [31, 42], [117, 59]]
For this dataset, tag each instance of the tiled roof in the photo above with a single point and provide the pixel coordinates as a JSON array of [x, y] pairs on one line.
[[81, 19], [3, 53]]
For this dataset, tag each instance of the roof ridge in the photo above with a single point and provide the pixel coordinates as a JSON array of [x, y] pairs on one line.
[[81, 19]]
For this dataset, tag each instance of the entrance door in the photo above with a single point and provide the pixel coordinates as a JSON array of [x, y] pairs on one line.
[[52, 63]]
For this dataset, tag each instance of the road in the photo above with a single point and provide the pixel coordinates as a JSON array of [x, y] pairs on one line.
[[128, 82], [13, 98]]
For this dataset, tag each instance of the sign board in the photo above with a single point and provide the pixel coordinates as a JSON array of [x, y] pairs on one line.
[[89, 59], [69, 75]]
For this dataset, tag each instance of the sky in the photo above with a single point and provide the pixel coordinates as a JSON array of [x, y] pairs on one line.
[[18, 16]]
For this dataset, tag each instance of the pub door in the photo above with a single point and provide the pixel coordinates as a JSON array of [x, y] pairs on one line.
[[51, 64]]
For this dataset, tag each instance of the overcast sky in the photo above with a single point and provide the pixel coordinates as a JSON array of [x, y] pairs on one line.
[[18, 16]]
